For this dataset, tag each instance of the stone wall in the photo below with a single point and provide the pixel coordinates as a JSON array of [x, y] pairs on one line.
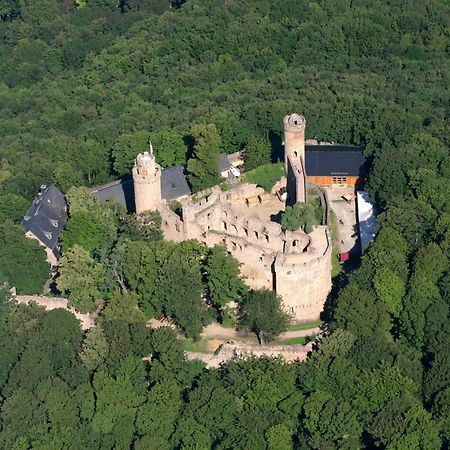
[[290, 353], [295, 264], [305, 285]]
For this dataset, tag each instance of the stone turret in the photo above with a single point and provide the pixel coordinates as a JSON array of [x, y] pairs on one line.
[[294, 157], [294, 136], [147, 182]]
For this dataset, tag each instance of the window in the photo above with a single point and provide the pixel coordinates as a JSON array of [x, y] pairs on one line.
[[339, 180]]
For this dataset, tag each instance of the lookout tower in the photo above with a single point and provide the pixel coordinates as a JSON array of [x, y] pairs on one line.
[[294, 157], [147, 182]]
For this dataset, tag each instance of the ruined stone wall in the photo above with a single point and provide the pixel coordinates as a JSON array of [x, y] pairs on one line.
[[171, 225], [295, 264], [305, 284], [290, 353]]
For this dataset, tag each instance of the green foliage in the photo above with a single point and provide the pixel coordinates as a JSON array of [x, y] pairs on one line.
[[126, 148], [83, 229], [95, 348], [170, 148], [390, 289], [78, 83], [145, 227], [80, 278], [179, 289], [257, 152], [261, 312], [224, 284], [265, 176], [203, 167], [123, 306], [12, 207], [300, 215], [19, 252]]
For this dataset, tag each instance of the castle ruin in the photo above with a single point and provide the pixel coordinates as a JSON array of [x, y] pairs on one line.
[[295, 264]]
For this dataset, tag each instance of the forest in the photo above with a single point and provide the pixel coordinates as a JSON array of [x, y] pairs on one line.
[[84, 84]]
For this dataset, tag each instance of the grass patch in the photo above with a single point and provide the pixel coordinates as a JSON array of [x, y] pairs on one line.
[[333, 227], [196, 346], [265, 176], [292, 341], [336, 266], [304, 325], [229, 322], [224, 186], [318, 210]]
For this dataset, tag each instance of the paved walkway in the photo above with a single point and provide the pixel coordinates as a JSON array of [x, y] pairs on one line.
[[87, 320]]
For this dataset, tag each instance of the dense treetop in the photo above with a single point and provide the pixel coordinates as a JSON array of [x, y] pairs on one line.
[[80, 80], [81, 83]]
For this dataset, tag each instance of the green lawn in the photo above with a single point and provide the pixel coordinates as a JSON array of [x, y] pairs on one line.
[[196, 346], [265, 176], [304, 325]]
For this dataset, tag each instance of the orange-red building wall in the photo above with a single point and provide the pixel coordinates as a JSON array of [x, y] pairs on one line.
[[328, 181]]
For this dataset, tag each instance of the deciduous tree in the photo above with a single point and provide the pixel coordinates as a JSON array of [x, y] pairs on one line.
[[262, 313]]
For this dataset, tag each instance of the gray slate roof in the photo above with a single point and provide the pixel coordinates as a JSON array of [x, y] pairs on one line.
[[335, 160], [47, 216], [173, 185], [224, 162]]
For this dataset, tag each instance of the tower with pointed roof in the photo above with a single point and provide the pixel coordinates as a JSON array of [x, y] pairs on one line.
[[147, 182]]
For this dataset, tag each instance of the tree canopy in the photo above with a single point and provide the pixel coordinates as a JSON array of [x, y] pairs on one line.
[[84, 84]]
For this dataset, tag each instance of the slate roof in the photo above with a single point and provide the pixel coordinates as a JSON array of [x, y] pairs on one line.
[[119, 191], [47, 216], [224, 163], [335, 160], [173, 185]]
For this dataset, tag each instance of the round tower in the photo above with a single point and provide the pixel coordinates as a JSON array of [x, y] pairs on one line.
[[147, 182], [294, 137]]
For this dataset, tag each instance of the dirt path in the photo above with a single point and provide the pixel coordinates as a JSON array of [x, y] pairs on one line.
[[217, 331], [87, 320], [299, 333]]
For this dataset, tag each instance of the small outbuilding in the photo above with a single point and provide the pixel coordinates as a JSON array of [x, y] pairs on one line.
[[226, 168]]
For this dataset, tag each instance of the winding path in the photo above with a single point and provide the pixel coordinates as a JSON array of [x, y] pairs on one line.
[[87, 320]]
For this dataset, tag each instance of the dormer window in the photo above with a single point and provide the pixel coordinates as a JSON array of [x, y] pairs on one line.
[[48, 235], [54, 223]]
